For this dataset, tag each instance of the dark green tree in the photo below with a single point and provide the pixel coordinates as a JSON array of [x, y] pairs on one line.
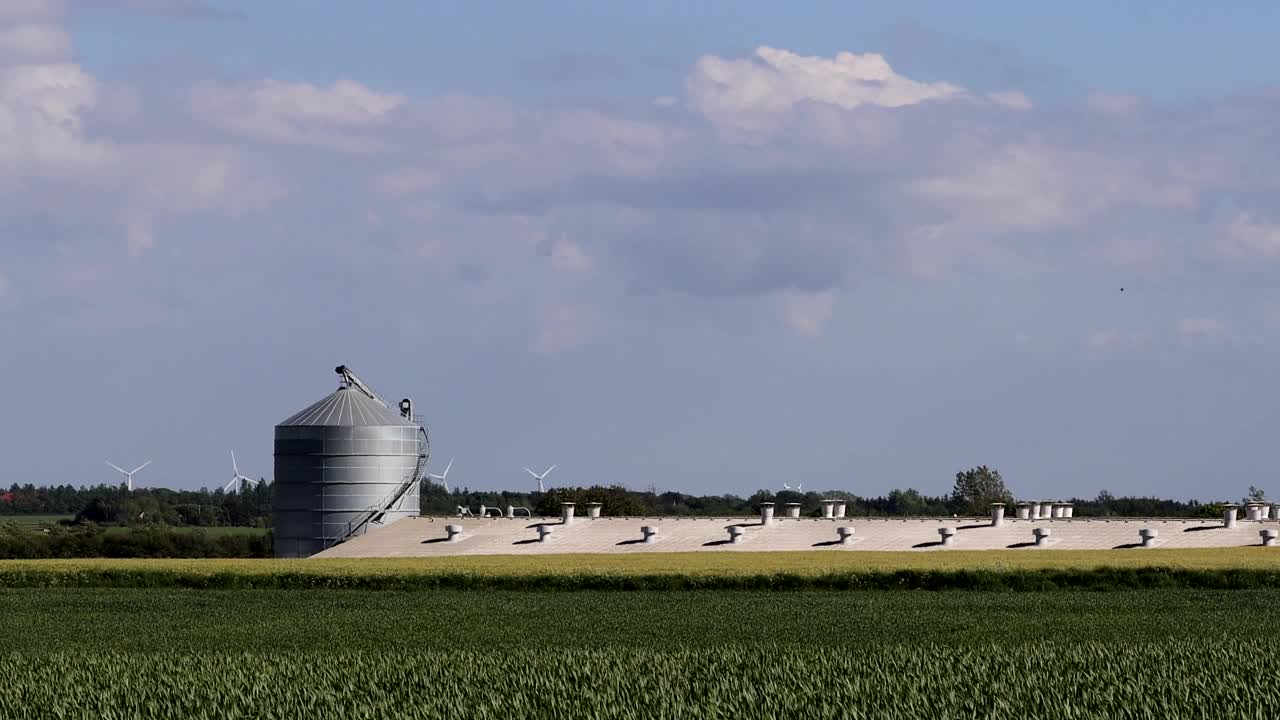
[[975, 490]]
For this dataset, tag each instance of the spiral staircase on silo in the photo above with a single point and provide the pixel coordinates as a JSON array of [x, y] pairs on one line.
[[374, 513]]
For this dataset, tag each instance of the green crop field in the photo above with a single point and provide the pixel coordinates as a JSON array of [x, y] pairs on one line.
[[1179, 679], [166, 620], [371, 654], [741, 635]]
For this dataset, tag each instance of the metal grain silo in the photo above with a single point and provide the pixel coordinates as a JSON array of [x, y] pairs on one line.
[[345, 465]]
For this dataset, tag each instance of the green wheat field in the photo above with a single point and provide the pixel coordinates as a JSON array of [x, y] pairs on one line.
[[75, 642]]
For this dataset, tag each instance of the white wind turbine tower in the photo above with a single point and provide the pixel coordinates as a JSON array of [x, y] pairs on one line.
[[128, 474], [541, 487], [236, 477], [443, 477]]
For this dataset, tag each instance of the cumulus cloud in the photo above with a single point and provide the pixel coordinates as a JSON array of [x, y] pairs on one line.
[[749, 93], [41, 129], [69, 193], [299, 113], [850, 170], [777, 79], [1031, 187]]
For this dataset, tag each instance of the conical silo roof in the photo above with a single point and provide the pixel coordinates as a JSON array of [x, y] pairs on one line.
[[346, 407]]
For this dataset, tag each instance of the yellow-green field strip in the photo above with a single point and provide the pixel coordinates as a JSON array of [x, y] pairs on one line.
[[735, 564], [1227, 568]]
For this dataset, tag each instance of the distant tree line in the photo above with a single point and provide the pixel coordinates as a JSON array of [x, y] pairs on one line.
[[972, 493], [116, 505], [151, 541]]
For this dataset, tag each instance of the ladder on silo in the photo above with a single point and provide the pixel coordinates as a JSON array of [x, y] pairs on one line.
[[376, 512]]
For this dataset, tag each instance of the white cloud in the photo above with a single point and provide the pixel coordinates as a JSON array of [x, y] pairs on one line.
[[1018, 188], [43, 96], [746, 93], [125, 186], [299, 113], [41, 128], [1033, 187], [808, 313], [1247, 237], [859, 172], [1011, 99]]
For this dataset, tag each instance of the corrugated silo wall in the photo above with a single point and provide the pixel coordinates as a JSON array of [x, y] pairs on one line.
[[327, 478]]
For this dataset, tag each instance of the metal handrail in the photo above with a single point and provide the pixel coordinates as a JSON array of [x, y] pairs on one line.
[[424, 453]]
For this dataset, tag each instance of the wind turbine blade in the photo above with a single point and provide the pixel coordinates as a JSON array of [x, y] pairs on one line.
[[234, 466], [448, 467], [548, 472], [531, 472], [117, 467], [140, 467]]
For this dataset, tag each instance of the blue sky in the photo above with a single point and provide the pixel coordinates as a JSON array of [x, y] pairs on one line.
[[710, 247]]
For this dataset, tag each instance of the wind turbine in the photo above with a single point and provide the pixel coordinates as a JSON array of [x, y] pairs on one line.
[[128, 474], [541, 487], [796, 488], [442, 477], [236, 477]]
